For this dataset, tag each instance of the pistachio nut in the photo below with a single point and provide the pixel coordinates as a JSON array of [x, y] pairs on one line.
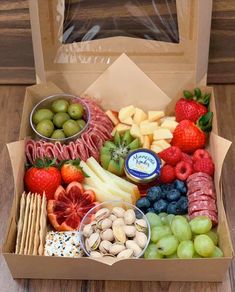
[[130, 231], [104, 223], [125, 254], [118, 221], [102, 213], [134, 246], [94, 241], [87, 230], [116, 248], [87, 246], [107, 235], [112, 217], [129, 217], [118, 212], [141, 225], [104, 246], [95, 254], [141, 239], [119, 234]]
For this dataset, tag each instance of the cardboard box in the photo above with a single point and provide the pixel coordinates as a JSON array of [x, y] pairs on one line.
[[121, 84]]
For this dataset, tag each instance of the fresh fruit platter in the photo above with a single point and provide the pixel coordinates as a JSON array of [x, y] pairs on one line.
[[127, 183]]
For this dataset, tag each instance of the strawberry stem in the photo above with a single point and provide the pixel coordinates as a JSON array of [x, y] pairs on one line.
[[205, 122], [44, 163]]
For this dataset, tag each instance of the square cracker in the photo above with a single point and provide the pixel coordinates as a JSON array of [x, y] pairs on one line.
[[36, 235], [29, 223], [33, 226], [25, 224], [43, 225], [20, 222]]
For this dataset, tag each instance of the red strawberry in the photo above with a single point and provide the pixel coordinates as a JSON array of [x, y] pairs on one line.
[[188, 137], [71, 171], [186, 158], [189, 110], [43, 177], [171, 155], [183, 170], [200, 153], [167, 174], [205, 165]]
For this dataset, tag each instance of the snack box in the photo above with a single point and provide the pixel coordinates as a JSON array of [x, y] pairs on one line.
[[152, 79]]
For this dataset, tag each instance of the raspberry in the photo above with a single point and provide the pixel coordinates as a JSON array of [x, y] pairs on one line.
[[167, 174], [205, 165], [183, 170], [200, 153], [186, 158], [171, 155]]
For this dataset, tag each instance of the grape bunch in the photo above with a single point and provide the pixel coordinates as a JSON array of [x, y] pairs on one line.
[[169, 198], [176, 237]]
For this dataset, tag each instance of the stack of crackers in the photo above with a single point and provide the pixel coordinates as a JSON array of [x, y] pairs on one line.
[[32, 226]]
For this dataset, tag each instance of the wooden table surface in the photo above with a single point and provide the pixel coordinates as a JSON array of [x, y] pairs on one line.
[[11, 102]]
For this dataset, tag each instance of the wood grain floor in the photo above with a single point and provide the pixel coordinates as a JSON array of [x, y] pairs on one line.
[[11, 101]]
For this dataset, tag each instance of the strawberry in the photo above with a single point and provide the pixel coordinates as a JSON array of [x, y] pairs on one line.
[[71, 171], [189, 110], [171, 155], [43, 177], [183, 170], [200, 153], [167, 174], [205, 165], [188, 137]]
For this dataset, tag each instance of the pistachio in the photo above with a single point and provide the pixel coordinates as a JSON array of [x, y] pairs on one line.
[[104, 246], [134, 246], [112, 217], [87, 246], [125, 254], [116, 248], [95, 254], [118, 212], [94, 241], [118, 221], [102, 213], [87, 230], [107, 235], [130, 231], [119, 233], [141, 239], [104, 224], [129, 217], [141, 225]]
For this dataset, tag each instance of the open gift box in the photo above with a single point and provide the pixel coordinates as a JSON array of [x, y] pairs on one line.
[[152, 78]]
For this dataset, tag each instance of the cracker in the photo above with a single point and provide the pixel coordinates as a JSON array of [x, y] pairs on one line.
[[36, 236], [33, 226], [20, 222], [25, 224], [29, 224], [43, 225]]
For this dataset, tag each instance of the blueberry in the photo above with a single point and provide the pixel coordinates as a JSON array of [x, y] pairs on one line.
[[143, 203], [150, 210], [173, 195], [167, 187], [173, 208], [180, 186], [183, 205], [154, 194], [160, 206]]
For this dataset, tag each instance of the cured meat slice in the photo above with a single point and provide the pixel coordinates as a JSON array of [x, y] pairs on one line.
[[202, 205], [200, 193], [204, 189], [204, 197], [198, 174], [211, 214]]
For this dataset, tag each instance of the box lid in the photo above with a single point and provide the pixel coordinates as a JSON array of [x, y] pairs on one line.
[[80, 63]]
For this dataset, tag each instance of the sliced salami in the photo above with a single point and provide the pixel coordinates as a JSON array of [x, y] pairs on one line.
[[202, 205], [198, 174], [193, 198]]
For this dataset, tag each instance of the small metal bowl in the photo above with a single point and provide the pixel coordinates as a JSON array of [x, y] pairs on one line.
[[89, 217], [46, 103]]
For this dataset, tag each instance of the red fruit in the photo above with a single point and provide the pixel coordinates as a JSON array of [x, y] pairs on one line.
[[189, 110], [69, 206], [42, 178], [71, 171], [200, 153], [183, 170], [167, 174], [186, 158], [171, 155], [188, 137], [205, 165]]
